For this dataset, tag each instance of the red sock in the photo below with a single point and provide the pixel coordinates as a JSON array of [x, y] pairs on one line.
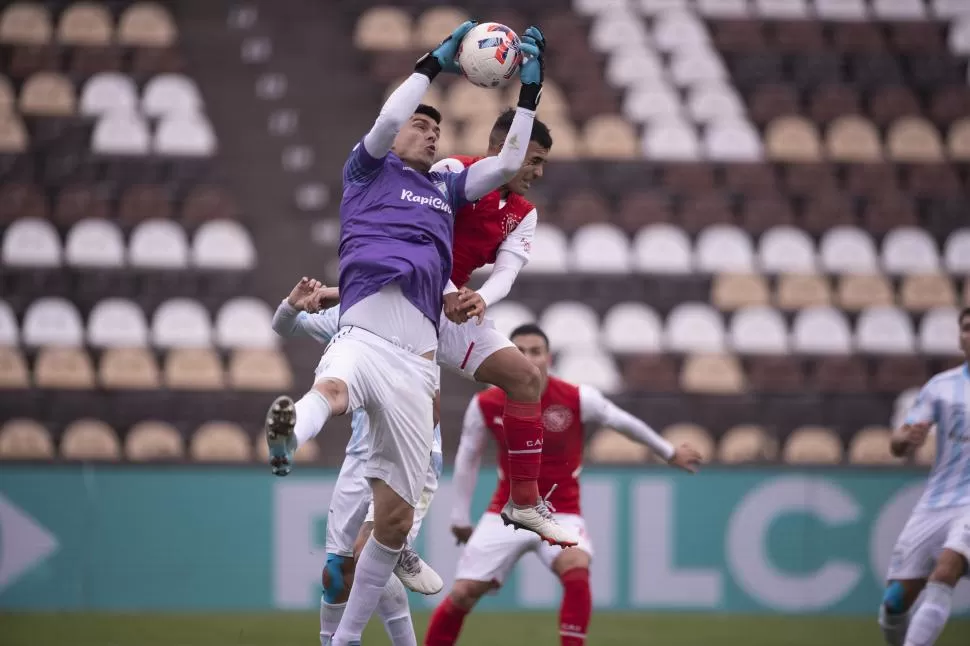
[[445, 624], [523, 434], [576, 608]]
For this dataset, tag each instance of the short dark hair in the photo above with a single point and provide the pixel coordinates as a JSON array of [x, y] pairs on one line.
[[964, 314], [428, 111], [540, 131], [530, 328]]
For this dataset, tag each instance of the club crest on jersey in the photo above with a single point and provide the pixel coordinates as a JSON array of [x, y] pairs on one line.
[[557, 418]]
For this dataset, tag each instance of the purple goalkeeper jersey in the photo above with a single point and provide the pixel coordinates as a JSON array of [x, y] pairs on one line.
[[396, 226]]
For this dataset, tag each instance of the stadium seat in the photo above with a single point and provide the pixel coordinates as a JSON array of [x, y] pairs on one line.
[[939, 332], [885, 330], [146, 24], [792, 139], [31, 243], [922, 292], [713, 102], [117, 323], [781, 8], [52, 321], [13, 369], [694, 327], [758, 330], [109, 92], [193, 369], [910, 250], [616, 30], [570, 324], [661, 249], [465, 101], [25, 439], [800, 291], [657, 7], [956, 253], [746, 443], [181, 322], [596, 7], [717, 374], [724, 248], [948, 8], [245, 322], [870, 446], [220, 442], [634, 67], [899, 9], [656, 102], [435, 24], [119, 133], [48, 94], [679, 31], [813, 445], [590, 367], [259, 369], [63, 368], [95, 243], [90, 439], [776, 374], [609, 137], [841, 9], [670, 140], [786, 249], [733, 291], [9, 332], [913, 139], [184, 135], [151, 440], [698, 438], [856, 292], [821, 330], [383, 28], [25, 23], [632, 328], [848, 250], [223, 245], [723, 8], [171, 94], [129, 369], [958, 140], [690, 67], [85, 23], [600, 248], [13, 135], [853, 138], [508, 315], [732, 140], [610, 447], [549, 253], [158, 244]]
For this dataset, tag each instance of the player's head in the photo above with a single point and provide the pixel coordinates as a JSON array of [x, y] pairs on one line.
[[534, 344], [965, 332], [417, 141], [540, 142]]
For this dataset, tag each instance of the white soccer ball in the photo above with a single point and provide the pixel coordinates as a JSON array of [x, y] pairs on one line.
[[489, 54]]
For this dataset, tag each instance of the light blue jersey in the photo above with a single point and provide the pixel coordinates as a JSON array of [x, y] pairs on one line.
[[289, 322], [945, 401]]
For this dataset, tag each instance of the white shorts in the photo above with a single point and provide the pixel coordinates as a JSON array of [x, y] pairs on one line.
[[494, 549], [396, 389], [925, 535], [465, 347]]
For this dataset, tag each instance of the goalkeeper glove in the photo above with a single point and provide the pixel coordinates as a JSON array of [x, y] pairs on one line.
[[532, 71], [442, 57]]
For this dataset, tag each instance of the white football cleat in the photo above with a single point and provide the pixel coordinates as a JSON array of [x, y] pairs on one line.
[[415, 574], [539, 519]]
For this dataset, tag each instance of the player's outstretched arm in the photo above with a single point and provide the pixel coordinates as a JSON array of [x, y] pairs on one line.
[[292, 319], [468, 461]]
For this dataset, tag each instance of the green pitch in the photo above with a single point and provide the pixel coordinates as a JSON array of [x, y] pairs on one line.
[[517, 629]]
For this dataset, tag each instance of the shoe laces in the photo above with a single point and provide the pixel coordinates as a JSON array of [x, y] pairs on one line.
[[545, 507], [410, 561]]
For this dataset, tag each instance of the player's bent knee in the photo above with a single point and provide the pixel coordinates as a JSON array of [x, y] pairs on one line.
[[338, 575], [570, 560], [335, 392], [511, 371], [950, 568], [466, 593]]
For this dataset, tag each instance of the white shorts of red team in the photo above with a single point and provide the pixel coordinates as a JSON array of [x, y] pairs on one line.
[[494, 548], [352, 504], [926, 534], [396, 389], [465, 347]]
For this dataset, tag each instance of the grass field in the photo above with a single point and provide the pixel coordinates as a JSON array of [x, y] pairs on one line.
[[518, 629]]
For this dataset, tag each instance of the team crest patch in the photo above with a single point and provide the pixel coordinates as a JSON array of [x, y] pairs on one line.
[[442, 188], [557, 419]]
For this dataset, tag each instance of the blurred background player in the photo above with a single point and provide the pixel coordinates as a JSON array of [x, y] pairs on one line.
[[941, 519], [492, 548]]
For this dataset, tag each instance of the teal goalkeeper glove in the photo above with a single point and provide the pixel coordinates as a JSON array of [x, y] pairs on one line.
[[532, 71], [442, 57]]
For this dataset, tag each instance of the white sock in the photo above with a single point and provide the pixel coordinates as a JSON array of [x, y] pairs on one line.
[[330, 614], [375, 567], [394, 611], [312, 412], [893, 626], [929, 620]]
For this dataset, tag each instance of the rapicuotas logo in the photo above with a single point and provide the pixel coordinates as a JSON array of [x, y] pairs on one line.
[[434, 202]]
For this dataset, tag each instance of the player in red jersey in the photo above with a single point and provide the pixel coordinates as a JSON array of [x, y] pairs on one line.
[[492, 548]]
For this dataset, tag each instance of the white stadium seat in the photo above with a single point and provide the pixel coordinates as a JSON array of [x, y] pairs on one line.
[[671, 140], [630, 66], [158, 244], [939, 331], [694, 327], [508, 315], [949, 8], [95, 242], [171, 94], [117, 323], [885, 330], [654, 7], [652, 102], [821, 330], [758, 330], [841, 9], [590, 367], [600, 248], [31, 242], [724, 248], [109, 92], [679, 31], [848, 250], [181, 323], [52, 321], [187, 135], [549, 255], [910, 250], [570, 324], [781, 8], [9, 331], [597, 7], [617, 30], [956, 252], [245, 322], [732, 139], [786, 250], [632, 327], [662, 249], [691, 67], [223, 244], [121, 133], [723, 8], [899, 9], [707, 102]]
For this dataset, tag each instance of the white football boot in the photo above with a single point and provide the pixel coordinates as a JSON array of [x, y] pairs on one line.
[[415, 574], [539, 519]]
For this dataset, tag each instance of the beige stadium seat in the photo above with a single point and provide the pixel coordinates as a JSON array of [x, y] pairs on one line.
[[8, 98], [798, 291], [608, 136], [467, 102], [747, 443], [48, 94], [712, 373], [913, 139], [853, 138], [555, 105], [13, 369], [859, 291], [435, 24], [147, 24], [610, 447], [813, 445], [383, 28], [25, 439], [148, 441], [922, 292], [565, 140], [694, 435], [25, 23], [958, 140], [733, 291], [257, 369], [85, 23], [194, 369], [64, 368], [90, 439], [475, 134], [448, 141], [793, 139], [871, 446], [129, 369], [220, 442], [13, 134]]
